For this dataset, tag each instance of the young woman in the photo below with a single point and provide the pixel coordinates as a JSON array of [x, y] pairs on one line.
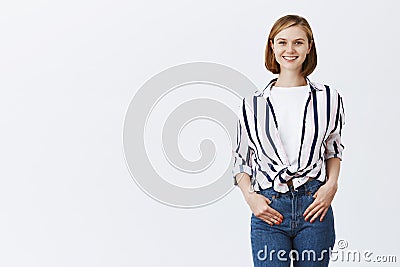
[[288, 153]]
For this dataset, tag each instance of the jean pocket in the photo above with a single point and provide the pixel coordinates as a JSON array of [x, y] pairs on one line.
[[310, 191], [269, 193]]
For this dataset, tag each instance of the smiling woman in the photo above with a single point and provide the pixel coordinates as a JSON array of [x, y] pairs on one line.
[[288, 152]]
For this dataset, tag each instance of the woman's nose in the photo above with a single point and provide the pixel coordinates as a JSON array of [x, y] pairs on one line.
[[290, 48]]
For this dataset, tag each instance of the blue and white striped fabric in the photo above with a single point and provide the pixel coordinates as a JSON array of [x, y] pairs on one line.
[[259, 151]]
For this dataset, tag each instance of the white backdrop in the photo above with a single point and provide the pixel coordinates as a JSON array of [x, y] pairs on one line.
[[68, 71]]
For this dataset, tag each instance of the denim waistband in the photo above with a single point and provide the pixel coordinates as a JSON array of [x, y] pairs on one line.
[[305, 189]]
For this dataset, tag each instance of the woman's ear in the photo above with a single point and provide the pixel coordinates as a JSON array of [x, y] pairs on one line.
[[271, 43]]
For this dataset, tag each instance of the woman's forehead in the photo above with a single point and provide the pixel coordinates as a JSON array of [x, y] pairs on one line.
[[293, 33]]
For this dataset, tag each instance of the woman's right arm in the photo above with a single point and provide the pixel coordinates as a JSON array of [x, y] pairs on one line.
[[242, 172]]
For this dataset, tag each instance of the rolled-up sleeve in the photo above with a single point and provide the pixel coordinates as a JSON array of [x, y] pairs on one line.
[[242, 153], [333, 143]]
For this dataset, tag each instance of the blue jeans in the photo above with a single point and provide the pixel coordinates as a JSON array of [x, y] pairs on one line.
[[307, 244]]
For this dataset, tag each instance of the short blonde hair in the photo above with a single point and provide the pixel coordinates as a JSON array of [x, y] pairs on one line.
[[285, 22]]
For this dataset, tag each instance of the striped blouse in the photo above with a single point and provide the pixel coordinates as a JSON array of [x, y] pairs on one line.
[[259, 151]]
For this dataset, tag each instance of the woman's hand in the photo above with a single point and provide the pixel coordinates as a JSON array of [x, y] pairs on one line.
[[323, 199], [259, 205]]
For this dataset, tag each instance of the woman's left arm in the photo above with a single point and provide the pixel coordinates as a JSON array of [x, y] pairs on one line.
[[325, 194], [333, 156]]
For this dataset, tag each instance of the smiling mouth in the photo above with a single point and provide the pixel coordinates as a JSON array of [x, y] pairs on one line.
[[290, 58]]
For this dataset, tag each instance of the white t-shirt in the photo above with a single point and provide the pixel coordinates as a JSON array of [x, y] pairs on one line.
[[289, 104]]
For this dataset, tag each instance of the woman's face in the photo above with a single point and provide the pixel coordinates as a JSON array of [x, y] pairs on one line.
[[291, 47]]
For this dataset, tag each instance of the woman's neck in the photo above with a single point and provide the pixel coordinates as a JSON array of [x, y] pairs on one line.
[[290, 80]]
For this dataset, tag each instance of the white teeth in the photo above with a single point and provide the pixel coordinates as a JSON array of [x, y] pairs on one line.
[[290, 58]]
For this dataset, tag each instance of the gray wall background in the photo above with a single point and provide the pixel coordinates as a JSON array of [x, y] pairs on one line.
[[68, 70]]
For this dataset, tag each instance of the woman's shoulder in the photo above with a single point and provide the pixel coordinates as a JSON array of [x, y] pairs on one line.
[[325, 87], [249, 97], [250, 100]]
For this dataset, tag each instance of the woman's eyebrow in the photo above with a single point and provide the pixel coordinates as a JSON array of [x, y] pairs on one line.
[[294, 39]]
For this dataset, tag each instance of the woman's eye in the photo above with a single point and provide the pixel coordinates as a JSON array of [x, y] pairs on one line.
[[299, 43], [282, 43]]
